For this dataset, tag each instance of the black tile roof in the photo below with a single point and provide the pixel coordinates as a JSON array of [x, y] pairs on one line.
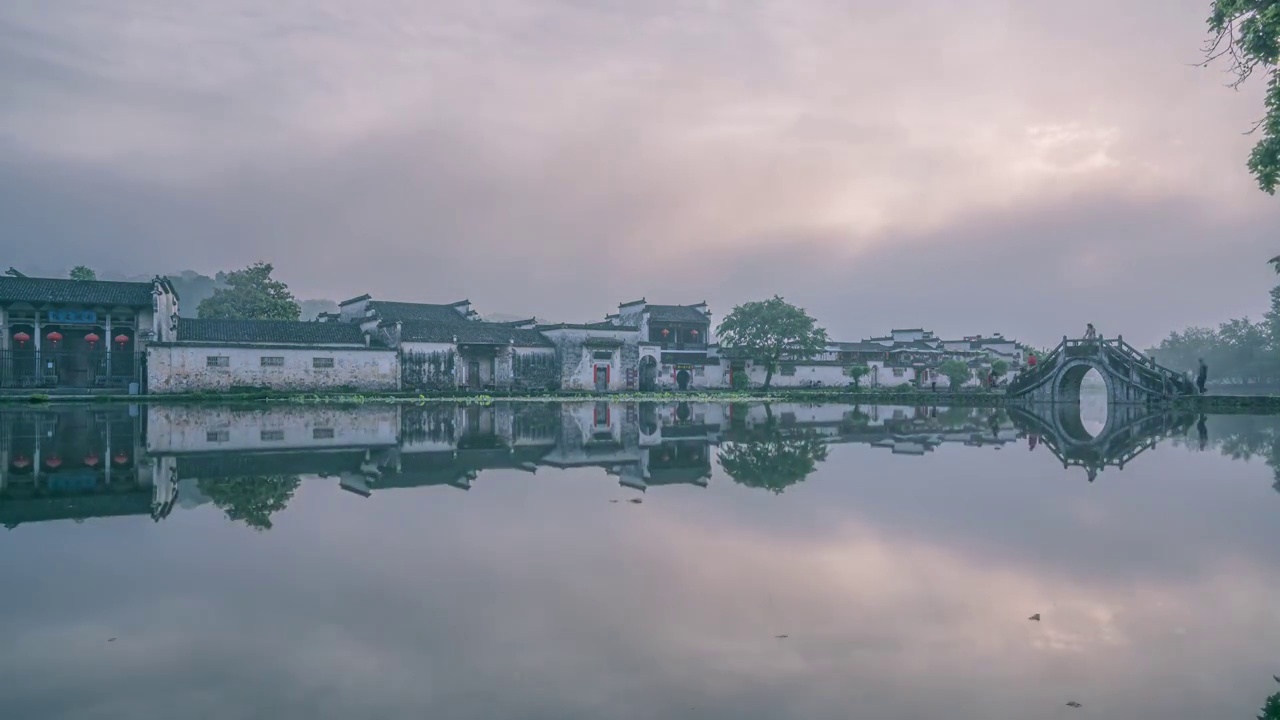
[[356, 299], [860, 347], [677, 313], [474, 332], [605, 325], [406, 311], [269, 331], [84, 292]]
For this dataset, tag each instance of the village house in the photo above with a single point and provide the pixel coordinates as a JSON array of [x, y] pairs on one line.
[[676, 344], [80, 334], [284, 355]]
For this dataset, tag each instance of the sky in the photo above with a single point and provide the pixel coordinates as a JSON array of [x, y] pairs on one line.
[[1021, 168]]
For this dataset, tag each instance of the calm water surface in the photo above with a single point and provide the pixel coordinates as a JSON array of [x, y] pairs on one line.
[[491, 562]]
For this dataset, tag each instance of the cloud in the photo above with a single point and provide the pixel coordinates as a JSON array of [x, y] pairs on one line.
[[566, 156]]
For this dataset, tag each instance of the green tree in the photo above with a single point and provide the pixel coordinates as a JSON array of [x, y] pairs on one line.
[[956, 371], [772, 330], [252, 500], [1271, 709], [1247, 32], [1000, 368], [774, 462], [856, 373], [251, 294], [83, 272]]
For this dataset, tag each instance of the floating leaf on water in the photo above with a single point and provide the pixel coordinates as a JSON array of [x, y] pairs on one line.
[[1035, 617], [1074, 704]]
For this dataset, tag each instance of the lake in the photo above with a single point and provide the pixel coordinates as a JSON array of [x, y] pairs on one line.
[[636, 561]]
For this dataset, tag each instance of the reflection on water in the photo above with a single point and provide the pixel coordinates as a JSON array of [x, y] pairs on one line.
[[791, 561]]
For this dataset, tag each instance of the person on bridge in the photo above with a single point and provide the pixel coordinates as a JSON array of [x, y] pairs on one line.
[[1201, 376], [1090, 333], [1031, 360]]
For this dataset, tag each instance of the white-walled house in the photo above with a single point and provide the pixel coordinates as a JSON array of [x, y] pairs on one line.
[[85, 334], [603, 357], [284, 355], [472, 354]]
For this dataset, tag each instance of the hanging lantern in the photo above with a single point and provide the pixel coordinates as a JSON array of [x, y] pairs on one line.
[[91, 460], [120, 459], [121, 339], [53, 462], [54, 336], [21, 462], [92, 339], [694, 333], [21, 337], [665, 332]]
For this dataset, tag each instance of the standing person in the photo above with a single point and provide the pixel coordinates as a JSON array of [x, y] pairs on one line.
[[1090, 333], [1201, 375], [1031, 360]]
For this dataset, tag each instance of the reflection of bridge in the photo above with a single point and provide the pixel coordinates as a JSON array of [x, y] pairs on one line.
[[1130, 376], [1129, 431]]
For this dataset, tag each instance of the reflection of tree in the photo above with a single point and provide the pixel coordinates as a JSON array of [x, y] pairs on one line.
[[252, 499], [1241, 437], [773, 462]]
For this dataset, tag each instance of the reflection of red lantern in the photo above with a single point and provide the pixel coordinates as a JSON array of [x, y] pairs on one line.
[[91, 460], [53, 462], [92, 339], [54, 336], [21, 462], [21, 337], [121, 339], [665, 332], [120, 459]]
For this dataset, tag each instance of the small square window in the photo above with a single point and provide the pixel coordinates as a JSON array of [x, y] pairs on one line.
[[322, 363], [218, 436], [788, 370], [217, 361], [268, 361], [271, 435], [322, 434]]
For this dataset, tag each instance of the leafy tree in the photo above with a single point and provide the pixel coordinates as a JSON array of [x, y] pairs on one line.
[[1271, 709], [770, 331], [1000, 368], [773, 462], [83, 272], [1248, 33], [856, 373], [251, 500], [956, 371], [251, 294]]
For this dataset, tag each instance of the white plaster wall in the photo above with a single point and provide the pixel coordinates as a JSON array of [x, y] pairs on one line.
[[175, 429], [164, 319], [881, 376], [184, 368], [701, 377], [578, 363]]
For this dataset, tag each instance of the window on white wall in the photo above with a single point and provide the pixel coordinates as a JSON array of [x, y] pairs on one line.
[[269, 361], [271, 435], [898, 372], [788, 370], [323, 363], [218, 436], [217, 361], [322, 434]]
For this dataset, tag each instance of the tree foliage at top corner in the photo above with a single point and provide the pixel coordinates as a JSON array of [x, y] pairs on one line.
[[251, 294], [1247, 32]]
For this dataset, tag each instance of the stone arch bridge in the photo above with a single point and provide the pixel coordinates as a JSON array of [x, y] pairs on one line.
[[1130, 430], [1131, 377]]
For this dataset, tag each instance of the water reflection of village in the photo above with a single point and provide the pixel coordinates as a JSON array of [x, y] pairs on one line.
[[101, 461]]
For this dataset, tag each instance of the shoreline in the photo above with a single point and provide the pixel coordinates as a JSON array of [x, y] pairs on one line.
[[966, 398]]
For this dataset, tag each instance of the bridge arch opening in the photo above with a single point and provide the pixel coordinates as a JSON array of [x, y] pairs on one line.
[[1084, 414]]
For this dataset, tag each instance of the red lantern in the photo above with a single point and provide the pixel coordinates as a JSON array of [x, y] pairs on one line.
[[53, 462], [92, 339], [21, 337], [121, 339], [54, 336], [120, 459], [665, 332], [694, 333], [21, 462], [91, 460]]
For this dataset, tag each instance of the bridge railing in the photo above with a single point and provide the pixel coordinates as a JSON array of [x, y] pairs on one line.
[[1122, 359]]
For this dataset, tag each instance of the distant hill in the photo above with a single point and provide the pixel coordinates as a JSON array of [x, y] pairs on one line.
[[193, 287]]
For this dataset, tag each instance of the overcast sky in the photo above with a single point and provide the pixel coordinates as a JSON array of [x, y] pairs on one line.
[[1023, 167]]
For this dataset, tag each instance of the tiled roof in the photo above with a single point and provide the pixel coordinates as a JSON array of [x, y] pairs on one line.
[[85, 292], [676, 313], [406, 311], [269, 331], [606, 325], [471, 332], [356, 299], [860, 347]]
